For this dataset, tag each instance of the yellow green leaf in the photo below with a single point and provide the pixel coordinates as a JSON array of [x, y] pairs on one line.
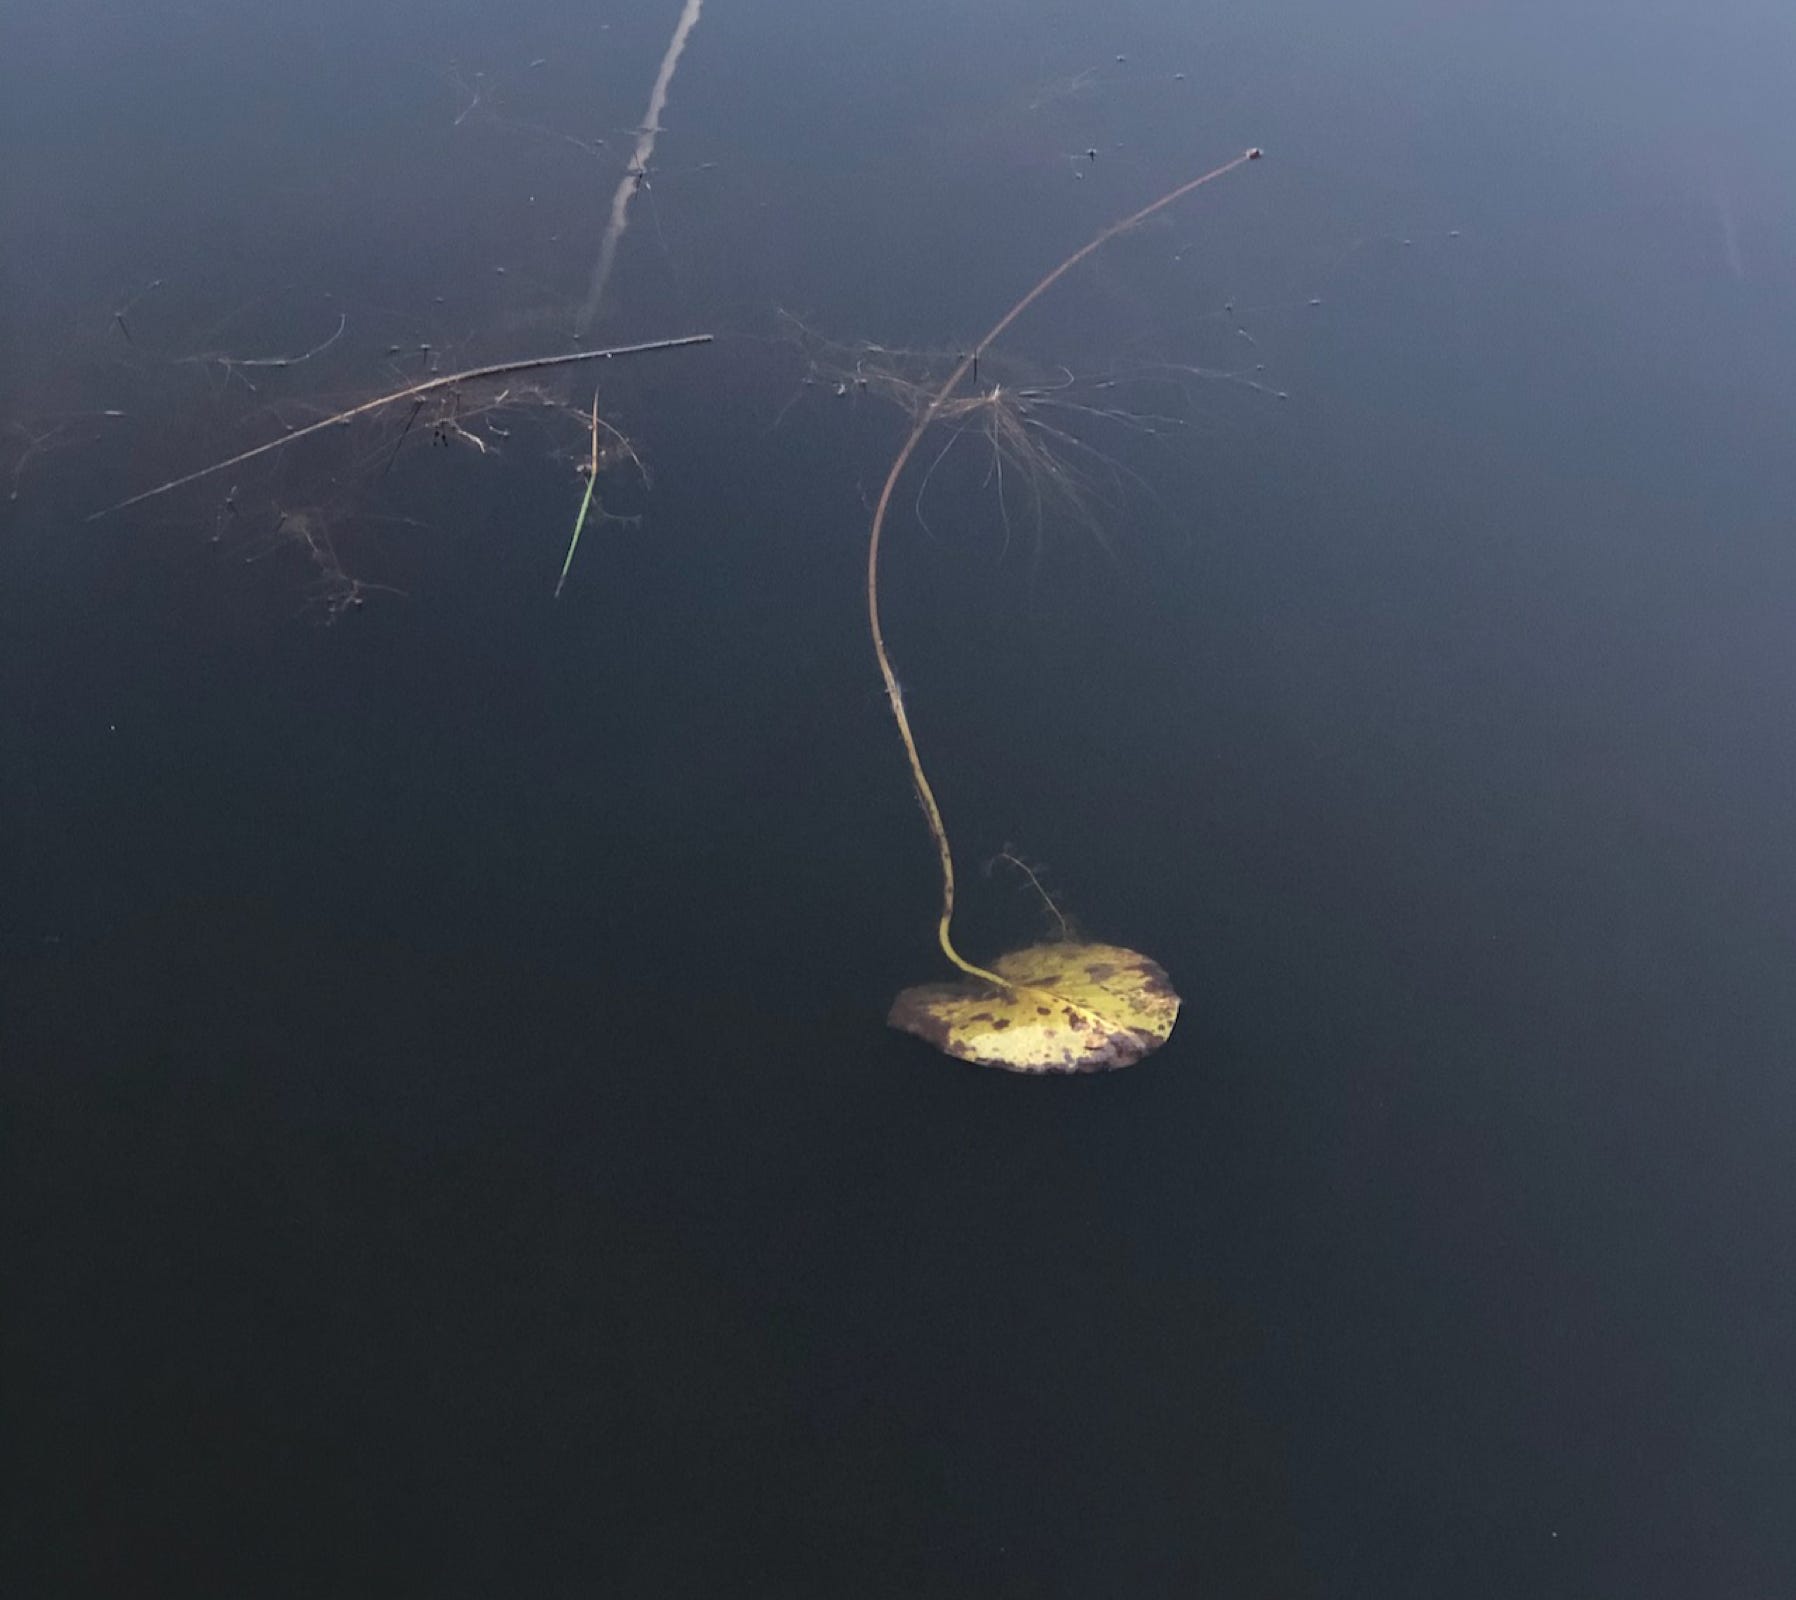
[[1065, 1007]]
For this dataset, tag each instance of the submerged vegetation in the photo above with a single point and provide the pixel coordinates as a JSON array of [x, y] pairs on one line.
[[452, 383], [1062, 1005], [636, 172]]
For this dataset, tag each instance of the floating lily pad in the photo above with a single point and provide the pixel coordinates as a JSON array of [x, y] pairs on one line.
[[1069, 1008]]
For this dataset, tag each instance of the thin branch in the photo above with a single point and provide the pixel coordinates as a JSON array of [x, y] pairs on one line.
[[271, 361], [412, 392]]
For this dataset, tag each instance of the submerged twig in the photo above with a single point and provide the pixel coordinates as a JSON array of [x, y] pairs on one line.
[[410, 392], [417, 406], [118, 316], [233, 362], [636, 172]]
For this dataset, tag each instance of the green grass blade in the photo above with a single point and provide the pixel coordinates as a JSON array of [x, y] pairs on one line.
[[592, 478]]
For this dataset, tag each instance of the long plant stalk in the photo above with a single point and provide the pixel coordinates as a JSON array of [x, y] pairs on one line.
[[931, 811], [416, 391], [636, 174]]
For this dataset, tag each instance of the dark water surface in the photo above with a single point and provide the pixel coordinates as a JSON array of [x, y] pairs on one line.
[[451, 1146]]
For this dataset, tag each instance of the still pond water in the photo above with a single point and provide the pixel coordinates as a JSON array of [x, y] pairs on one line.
[[452, 1146]]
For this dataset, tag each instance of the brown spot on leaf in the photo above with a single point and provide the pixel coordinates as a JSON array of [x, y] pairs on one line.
[[911, 1012], [1155, 982]]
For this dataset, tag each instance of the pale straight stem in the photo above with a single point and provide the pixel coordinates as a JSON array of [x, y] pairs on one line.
[[637, 171], [894, 695], [501, 369]]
